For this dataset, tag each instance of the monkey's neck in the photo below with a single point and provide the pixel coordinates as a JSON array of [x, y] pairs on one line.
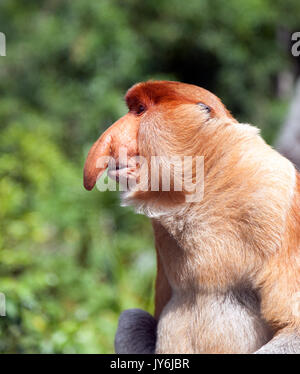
[[221, 241]]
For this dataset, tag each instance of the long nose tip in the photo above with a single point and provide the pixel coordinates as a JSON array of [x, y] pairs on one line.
[[88, 182], [89, 175], [91, 170]]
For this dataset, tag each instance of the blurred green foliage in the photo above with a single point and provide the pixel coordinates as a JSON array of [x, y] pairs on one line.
[[71, 261]]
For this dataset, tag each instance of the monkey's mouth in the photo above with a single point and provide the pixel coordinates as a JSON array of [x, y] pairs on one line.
[[121, 172]]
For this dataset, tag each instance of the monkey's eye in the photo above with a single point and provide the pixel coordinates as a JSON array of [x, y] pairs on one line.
[[140, 109], [205, 107]]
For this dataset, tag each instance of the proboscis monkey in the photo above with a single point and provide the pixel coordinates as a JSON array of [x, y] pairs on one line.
[[228, 265]]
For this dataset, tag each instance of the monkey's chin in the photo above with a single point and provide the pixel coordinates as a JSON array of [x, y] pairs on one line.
[[153, 204], [136, 194]]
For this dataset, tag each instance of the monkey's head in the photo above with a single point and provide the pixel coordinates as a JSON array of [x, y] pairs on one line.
[[166, 120]]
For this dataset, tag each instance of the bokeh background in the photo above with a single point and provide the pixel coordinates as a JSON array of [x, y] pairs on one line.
[[72, 260]]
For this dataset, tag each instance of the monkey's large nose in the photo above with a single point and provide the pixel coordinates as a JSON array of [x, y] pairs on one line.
[[122, 134]]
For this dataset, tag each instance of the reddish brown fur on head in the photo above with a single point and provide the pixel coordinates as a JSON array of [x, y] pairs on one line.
[[166, 92]]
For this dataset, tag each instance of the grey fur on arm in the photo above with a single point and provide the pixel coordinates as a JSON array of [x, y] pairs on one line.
[[136, 332]]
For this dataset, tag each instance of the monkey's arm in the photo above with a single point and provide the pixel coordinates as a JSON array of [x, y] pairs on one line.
[[280, 301], [162, 288]]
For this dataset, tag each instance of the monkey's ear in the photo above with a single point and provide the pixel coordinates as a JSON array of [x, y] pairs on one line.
[[204, 107]]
